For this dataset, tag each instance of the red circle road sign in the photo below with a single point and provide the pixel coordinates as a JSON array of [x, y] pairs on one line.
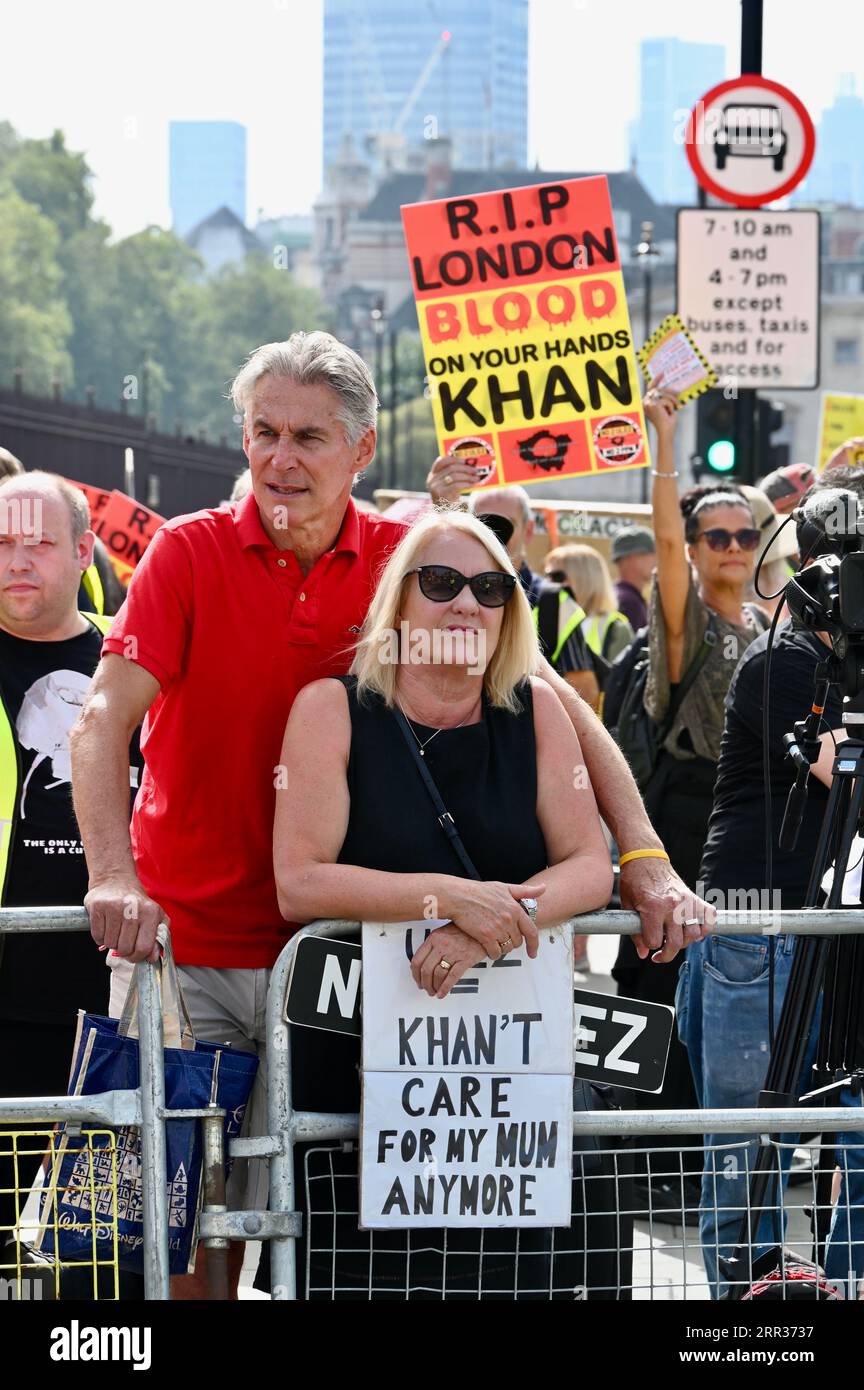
[[749, 141]]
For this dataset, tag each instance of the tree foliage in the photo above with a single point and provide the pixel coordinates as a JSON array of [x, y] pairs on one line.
[[135, 318]]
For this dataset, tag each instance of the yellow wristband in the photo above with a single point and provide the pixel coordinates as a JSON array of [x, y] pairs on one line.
[[642, 854]]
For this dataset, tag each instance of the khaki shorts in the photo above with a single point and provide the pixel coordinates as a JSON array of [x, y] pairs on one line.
[[225, 1006]]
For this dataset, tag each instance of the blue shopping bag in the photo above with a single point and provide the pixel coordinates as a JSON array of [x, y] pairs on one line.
[[106, 1058]]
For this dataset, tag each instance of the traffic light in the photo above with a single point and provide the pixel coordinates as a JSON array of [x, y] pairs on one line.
[[715, 434], [768, 421]]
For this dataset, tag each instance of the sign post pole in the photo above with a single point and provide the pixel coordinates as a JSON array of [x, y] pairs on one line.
[[746, 402]]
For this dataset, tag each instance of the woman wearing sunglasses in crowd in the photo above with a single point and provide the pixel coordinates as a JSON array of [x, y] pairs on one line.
[[449, 647], [445, 659], [707, 547], [698, 627]]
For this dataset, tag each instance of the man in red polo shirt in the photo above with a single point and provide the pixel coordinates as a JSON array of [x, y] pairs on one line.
[[229, 614]]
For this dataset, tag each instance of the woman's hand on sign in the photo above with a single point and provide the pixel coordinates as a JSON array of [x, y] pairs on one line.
[[443, 959], [450, 476], [492, 914], [661, 406]]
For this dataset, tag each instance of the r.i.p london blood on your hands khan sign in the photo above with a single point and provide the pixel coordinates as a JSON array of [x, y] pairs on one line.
[[467, 1101], [525, 329]]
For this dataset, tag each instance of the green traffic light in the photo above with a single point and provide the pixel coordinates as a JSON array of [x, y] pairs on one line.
[[721, 456]]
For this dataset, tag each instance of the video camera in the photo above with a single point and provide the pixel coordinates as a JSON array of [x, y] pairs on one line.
[[827, 594]]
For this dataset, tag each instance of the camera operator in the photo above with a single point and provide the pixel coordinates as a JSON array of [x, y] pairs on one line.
[[723, 991]]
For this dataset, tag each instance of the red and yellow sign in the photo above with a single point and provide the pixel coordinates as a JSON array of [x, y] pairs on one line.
[[525, 329], [124, 526]]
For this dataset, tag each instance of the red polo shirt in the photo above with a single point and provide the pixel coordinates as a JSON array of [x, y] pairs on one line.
[[232, 630]]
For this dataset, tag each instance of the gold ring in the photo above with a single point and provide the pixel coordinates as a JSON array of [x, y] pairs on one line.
[[692, 922], [445, 964], [508, 941], [448, 479]]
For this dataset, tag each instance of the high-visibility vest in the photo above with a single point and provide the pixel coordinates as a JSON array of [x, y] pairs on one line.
[[92, 581], [570, 615], [596, 629], [10, 773]]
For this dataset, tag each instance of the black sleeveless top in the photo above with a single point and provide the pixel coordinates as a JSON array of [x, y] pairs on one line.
[[486, 774]]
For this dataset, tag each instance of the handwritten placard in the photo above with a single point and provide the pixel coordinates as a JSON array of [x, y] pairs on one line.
[[467, 1101]]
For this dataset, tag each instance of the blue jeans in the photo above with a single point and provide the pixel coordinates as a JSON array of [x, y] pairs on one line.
[[722, 1009]]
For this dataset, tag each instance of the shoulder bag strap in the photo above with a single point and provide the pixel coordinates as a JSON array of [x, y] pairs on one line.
[[445, 820], [709, 639]]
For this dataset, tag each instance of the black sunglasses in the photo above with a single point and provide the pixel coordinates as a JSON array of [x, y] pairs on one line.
[[719, 538], [439, 583], [557, 576]]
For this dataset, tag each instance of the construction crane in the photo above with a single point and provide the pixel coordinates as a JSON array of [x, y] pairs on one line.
[[390, 145]]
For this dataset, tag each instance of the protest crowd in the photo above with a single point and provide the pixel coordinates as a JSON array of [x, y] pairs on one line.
[[241, 742]]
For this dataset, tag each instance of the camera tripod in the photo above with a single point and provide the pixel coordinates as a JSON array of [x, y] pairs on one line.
[[829, 966]]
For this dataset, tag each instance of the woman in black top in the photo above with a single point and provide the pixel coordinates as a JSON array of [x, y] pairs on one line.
[[356, 833], [357, 837]]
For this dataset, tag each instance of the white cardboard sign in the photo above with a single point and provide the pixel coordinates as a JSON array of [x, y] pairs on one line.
[[748, 292], [468, 1100], [461, 1150], [514, 1014]]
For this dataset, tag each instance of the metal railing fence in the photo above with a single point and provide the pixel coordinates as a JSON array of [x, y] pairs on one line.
[[287, 1127]]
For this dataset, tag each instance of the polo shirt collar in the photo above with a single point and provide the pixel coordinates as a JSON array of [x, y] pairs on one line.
[[247, 519], [250, 531]]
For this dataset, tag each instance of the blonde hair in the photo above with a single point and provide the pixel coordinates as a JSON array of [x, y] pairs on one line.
[[587, 576], [517, 654]]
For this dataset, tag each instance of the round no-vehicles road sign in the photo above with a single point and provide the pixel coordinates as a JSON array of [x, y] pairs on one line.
[[749, 141]]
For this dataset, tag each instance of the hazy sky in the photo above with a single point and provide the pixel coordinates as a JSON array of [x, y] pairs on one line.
[[112, 74]]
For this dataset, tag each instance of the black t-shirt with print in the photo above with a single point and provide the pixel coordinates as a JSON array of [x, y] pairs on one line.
[[734, 855], [43, 685]]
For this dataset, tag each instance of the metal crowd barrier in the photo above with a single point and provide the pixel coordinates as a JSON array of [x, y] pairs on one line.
[[287, 1127], [144, 1107]]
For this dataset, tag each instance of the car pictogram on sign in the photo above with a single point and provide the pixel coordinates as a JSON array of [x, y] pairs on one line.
[[749, 141], [754, 131]]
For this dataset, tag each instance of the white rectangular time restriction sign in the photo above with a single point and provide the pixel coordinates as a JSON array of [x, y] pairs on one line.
[[748, 292]]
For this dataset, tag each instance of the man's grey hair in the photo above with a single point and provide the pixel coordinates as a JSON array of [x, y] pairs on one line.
[[478, 501], [313, 359], [39, 481]]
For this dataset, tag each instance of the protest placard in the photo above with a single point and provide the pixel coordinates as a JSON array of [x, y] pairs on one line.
[[467, 1101], [127, 528], [97, 498], [525, 329], [842, 419], [670, 352], [124, 526]]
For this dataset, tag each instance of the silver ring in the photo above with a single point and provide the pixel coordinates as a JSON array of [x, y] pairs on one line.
[[692, 922]]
